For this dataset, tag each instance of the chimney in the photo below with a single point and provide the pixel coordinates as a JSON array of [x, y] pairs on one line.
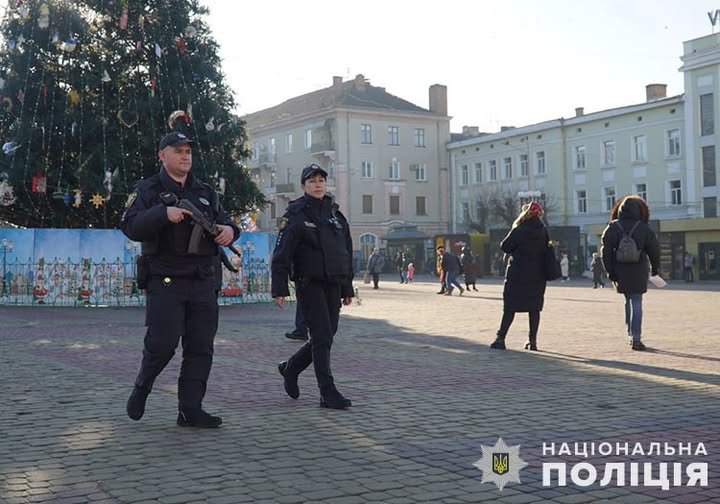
[[655, 91], [470, 131], [438, 99], [337, 80], [360, 82], [579, 111]]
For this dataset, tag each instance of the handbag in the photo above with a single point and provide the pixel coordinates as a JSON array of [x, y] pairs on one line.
[[366, 277], [552, 265]]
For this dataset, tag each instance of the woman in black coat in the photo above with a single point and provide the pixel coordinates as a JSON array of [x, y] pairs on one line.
[[631, 279], [524, 289], [469, 268]]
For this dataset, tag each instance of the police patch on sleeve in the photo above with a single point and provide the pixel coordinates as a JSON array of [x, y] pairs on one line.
[[283, 223], [131, 199]]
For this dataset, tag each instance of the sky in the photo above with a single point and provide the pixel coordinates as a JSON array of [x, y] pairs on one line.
[[504, 62]]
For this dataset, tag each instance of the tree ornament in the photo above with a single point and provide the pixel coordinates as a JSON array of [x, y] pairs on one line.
[[138, 46], [7, 195], [181, 46], [221, 185], [44, 17], [21, 96], [127, 118], [141, 22], [11, 44], [55, 39], [189, 112], [7, 104], [97, 200], [58, 195], [69, 45], [23, 11], [67, 198], [74, 129], [73, 98], [158, 51], [123, 19], [2, 83], [106, 76], [177, 115], [9, 148], [190, 31], [153, 85], [210, 125], [39, 184], [20, 41], [77, 198]]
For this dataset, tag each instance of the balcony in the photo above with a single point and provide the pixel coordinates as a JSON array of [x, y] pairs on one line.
[[282, 189], [267, 158]]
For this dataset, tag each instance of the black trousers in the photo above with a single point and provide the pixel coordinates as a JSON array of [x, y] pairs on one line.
[[321, 308], [375, 279], [184, 308], [300, 324]]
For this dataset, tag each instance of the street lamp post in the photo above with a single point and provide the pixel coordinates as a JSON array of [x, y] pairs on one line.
[[6, 246]]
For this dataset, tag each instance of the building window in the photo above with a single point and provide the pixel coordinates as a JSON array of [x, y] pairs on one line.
[[478, 173], [710, 207], [419, 137], [464, 175], [367, 170], [523, 165], [368, 242], [675, 192], [609, 198], [641, 190], [639, 152], [393, 135], [581, 197], [366, 133], [367, 202], [420, 208], [273, 148], [580, 157], [273, 211], [493, 170], [608, 153], [707, 115], [540, 162], [308, 139], [394, 204], [394, 169], [288, 143], [709, 171], [420, 170], [465, 212], [507, 162], [673, 142]]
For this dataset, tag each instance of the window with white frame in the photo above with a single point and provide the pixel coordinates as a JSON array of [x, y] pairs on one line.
[[641, 190], [639, 152], [366, 133], [367, 204], [478, 173], [673, 142], [675, 192], [523, 165], [421, 172], [493, 169], [540, 162], [464, 175], [580, 157], [707, 115], [367, 170], [465, 212], [608, 153], [394, 169], [419, 137], [308, 139], [507, 164], [393, 135], [581, 197], [609, 198], [288, 143]]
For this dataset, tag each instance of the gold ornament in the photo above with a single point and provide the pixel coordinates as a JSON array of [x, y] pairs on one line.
[[97, 200]]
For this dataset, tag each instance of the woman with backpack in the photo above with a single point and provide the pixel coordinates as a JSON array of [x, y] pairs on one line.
[[627, 245]]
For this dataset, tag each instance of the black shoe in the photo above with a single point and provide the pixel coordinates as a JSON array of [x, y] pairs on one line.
[[637, 345], [199, 418], [531, 345], [440, 292], [136, 403], [498, 344], [475, 288], [297, 335], [334, 400], [290, 382]]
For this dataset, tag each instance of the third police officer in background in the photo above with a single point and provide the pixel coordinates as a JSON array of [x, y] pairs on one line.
[[314, 248]]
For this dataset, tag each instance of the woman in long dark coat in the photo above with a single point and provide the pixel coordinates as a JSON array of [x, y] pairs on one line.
[[524, 289], [631, 279], [469, 268]]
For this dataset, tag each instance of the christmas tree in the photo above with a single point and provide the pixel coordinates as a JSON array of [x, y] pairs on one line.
[[88, 88]]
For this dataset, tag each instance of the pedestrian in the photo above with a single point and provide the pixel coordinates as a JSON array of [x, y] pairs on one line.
[[688, 262], [451, 267], [440, 273], [300, 332], [400, 265], [597, 269], [375, 265], [524, 289], [410, 272], [469, 268], [314, 248], [181, 287], [565, 267], [630, 217]]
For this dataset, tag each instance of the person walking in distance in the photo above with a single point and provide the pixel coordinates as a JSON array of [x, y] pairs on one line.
[[375, 265]]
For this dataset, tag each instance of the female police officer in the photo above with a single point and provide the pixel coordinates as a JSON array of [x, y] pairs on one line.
[[314, 248]]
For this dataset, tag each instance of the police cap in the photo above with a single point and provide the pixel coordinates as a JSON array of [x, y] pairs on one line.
[[311, 170], [174, 139]]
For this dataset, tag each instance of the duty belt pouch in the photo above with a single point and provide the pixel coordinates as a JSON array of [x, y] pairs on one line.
[[142, 271]]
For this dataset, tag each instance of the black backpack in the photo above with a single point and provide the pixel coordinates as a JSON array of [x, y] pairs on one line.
[[627, 251]]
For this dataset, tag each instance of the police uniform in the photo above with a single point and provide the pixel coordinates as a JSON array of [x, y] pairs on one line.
[[181, 289], [314, 249]]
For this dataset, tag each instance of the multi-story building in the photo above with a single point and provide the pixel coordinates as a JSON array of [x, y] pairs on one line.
[[663, 149], [386, 159]]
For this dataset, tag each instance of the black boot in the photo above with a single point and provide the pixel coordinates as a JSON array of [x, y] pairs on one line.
[[289, 381], [531, 344], [499, 343], [136, 402], [198, 418], [334, 400]]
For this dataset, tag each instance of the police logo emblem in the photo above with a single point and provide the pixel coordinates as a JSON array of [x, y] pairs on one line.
[[203, 201], [131, 199], [500, 464], [283, 223]]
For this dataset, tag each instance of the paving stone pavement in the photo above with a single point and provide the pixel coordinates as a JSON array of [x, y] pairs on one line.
[[427, 395]]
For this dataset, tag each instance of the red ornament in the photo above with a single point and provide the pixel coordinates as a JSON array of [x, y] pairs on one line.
[[39, 184]]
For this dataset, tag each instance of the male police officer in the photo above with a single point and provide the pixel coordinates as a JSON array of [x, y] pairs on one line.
[[181, 287], [315, 245]]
